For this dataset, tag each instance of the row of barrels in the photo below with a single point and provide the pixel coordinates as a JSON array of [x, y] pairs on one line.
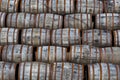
[[82, 54], [60, 6], [59, 37], [109, 21], [58, 71]]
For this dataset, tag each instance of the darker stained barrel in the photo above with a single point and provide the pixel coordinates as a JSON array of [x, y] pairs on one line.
[[51, 54], [17, 53], [65, 37], [117, 37], [109, 21], [89, 6], [7, 71], [80, 21], [42, 20], [35, 37], [84, 54], [103, 71], [1, 47], [96, 37]]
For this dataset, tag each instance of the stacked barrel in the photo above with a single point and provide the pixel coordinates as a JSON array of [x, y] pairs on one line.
[[59, 40]]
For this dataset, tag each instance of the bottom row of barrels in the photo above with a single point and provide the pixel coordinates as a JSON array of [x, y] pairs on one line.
[[58, 71]]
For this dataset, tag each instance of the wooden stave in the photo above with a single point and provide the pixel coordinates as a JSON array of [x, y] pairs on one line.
[[96, 10], [99, 42], [71, 18], [46, 39], [92, 57], [77, 38], [101, 71], [17, 57], [50, 59], [110, 21]]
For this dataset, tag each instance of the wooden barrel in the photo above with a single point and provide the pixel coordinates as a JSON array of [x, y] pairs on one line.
[[51, 54], [9, 36], [112, 6], [103, 71], [89, 6], [67, 71], [66, 37], [61, 6], [44, 6], [34, 6], [81, 21], [7, 71], [2, 19], [117, 38], [35, 36], [17, 53], [1, 47], [9, 5], [26, 20], [84, 54], [110, 55], [108, 21], [34, 71], [96, 37]]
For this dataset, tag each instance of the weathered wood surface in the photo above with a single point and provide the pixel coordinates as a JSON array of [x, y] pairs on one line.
[[80, 21], [103, 71], [65, 37], [9, 36], [7, 71], [96, 37], [84, 54], [9, 5], [17, 53], [112, 6], [35, 36], [51, 54], [27, 20], [110, 21], [89, 6]]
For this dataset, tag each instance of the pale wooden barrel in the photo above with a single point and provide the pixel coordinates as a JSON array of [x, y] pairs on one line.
[[35, 36], [9, 36], [34, 6], [108, 21], [89, 6], [2, 19], [9, 5], [66, 37], [51, 54], [96, 37], [110, 55], [7, 71], [84, 54], [112, 6], [34, 71], [17, 53], [103, 71], [116, 37], [67, 71], [81, 21], [61, 6], [26, 20]]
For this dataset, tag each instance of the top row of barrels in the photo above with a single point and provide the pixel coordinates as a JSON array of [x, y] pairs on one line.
[[60, 6]]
